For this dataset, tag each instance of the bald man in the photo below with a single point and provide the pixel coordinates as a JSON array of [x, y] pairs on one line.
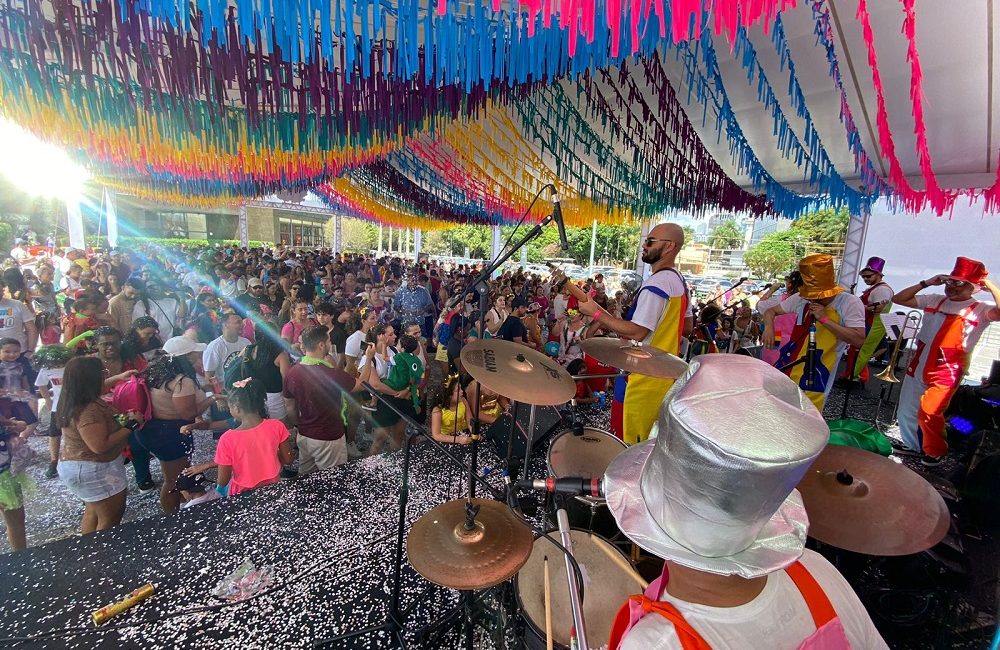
[[660, 315]]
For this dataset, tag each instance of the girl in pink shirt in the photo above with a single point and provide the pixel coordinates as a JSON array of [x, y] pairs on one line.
[[252, 454]]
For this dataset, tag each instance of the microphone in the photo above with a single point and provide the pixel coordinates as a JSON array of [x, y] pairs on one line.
[[575, 485], [557, 215], [763, 289]]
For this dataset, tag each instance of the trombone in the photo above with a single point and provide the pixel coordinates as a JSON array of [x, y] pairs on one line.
[[889, 374]]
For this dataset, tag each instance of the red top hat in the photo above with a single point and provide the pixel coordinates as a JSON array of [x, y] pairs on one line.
[[971, 271]]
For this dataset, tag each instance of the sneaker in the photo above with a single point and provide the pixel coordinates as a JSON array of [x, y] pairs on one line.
[[931, 461], [370, 407], [288, 472], [146, 486], [52, 472], [899, 449]]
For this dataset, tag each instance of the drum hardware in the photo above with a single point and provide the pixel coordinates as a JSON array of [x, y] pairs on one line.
[[395, 616], [575, 597], [633, 356], [862, 502]]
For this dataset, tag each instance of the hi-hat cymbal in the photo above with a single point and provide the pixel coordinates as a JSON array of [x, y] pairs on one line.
[[865, 503], [517, 372], [635, 357], [442, 551]]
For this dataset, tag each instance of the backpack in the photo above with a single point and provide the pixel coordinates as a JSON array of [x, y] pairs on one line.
[[238, 366], [406, 371], [133, 395]]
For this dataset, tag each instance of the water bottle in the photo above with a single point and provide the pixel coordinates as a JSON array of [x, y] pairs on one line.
[[600, 400]]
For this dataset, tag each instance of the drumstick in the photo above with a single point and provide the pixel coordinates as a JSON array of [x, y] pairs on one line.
[[618, 559], [548, 606]]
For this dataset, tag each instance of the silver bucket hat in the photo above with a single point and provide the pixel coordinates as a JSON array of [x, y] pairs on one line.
[[715, 490]]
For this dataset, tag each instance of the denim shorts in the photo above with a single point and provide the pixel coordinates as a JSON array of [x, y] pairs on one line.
[[163, 439], [91, 480]]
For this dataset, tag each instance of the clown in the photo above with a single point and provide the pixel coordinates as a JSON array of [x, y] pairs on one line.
[[877, 299], [822, 307], [951, 327]]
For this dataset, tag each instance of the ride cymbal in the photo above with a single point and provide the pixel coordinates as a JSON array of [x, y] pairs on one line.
[[862, 502], [635, 357], [441, 550], [517, 372]]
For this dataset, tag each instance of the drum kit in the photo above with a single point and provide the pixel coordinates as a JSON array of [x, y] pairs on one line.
[[856, 500]]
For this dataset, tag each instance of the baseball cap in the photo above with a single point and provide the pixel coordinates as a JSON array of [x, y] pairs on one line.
[[195, 483], [534, 306], [254, 282], [178, 346]]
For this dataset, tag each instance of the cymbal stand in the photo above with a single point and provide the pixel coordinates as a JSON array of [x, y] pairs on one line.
[[395, 617]]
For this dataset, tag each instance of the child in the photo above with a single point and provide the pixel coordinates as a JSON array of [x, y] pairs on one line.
[[52, 359], [12, 484], [14, 386], [407, 370], [252, 454], [83, 319], [194, 489]]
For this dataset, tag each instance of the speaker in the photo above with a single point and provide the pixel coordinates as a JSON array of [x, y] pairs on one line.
[[547, 421]]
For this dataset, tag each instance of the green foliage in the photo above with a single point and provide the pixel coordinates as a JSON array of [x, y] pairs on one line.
[[726, 236], [6, 237], [780, 252], [824, 226], [775, 254], [689, 235]]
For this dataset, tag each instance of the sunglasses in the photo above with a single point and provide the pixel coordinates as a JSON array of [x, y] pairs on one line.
[[649, 241], [955, 283], [867, 276]]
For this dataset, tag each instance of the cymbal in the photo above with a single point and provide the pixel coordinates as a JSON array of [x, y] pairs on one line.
[[635, 357], [518, 372], [442, 551], [863, 502]]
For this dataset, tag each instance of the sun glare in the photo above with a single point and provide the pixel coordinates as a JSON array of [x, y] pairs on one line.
[[38, 168]]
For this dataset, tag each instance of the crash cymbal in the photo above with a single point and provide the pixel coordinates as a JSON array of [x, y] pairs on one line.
[[442, 551], [635, 357], [517, 372], [865, 503]]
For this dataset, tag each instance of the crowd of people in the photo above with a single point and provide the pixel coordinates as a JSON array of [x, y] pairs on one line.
[[127, 354]]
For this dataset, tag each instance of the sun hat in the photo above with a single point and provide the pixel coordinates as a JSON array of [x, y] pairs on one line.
[[818, 279], [178, 346], [715, 489]]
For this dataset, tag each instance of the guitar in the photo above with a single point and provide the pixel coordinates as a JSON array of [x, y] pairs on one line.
[[815, 376]]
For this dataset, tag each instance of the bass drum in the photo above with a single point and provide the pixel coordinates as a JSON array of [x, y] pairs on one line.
[[586, 456], [606, 587]]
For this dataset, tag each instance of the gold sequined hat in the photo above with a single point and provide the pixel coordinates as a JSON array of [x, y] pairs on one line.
[[818, 280]]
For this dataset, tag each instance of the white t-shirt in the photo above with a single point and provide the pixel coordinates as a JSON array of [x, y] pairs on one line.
[[778, 614], [850, 307], [52, 376], [559, 305], [972, 333], [650, 308], [353, 345], [882, 293], [13, 316], [163, 311], [218, 351], [382, 366]]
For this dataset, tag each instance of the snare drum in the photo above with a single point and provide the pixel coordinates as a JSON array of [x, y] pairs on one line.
[[606, 587], [586, 456]]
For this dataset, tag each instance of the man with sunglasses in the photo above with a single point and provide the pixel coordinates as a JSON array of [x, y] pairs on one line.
[[951, 327], [660, 316], [877, 299]]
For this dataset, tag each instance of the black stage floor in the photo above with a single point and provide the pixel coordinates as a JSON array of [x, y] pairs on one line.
[[329, 538]]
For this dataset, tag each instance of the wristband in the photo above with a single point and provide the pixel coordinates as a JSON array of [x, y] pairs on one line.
[[824, 320], [923, 284]]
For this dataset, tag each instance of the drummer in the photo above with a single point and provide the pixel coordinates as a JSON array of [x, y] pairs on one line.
[[719, 508], [659, 316]]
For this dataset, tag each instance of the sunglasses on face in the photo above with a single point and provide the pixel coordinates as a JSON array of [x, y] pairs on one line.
[[649, 241], [955, 284], [867, 276]]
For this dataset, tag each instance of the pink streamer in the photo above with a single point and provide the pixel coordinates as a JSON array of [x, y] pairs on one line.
[[914, 200]]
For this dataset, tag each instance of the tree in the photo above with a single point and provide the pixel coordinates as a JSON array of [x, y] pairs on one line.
[[726, 236], [358, 236], [689, 235], [823, 226], [775, 254]]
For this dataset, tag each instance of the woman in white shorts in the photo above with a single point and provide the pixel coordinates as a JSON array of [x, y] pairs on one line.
[[91, 463]]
